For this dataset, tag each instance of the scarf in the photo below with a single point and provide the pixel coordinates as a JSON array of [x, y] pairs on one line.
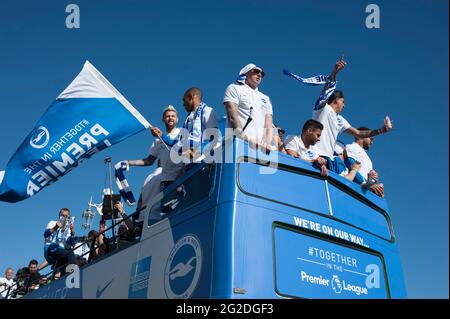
[[330, 86], [122, 183]]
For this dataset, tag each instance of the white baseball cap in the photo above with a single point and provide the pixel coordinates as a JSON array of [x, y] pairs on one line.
[[170, 108], [248, 68]]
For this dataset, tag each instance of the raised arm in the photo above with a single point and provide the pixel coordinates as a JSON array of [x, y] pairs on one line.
[[330, 86], [118, 205], [363, 134]]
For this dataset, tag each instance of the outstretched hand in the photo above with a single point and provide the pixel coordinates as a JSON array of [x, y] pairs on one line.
[[388, 124], [340, 64], [156, 132], [118, 205]]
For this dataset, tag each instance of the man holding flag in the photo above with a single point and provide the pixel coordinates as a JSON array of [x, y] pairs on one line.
[[87, 117]]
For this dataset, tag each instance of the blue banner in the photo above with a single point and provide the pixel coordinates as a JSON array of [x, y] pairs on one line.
[[87, 117], [309, 267]]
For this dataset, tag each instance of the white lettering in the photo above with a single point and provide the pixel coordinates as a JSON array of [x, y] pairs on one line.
[[66, 161], [42, 178], [87, 140], [356, 289], [32, 188], [97, 129], [76, 150], [314, 280]]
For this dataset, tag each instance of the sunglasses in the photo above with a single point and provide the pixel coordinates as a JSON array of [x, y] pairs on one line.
[[258, 71]]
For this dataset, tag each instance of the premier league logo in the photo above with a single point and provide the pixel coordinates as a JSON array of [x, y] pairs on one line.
[[336, 284], [183, 268], [39, 138]]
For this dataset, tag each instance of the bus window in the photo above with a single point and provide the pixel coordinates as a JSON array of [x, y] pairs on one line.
[[300, 189], [184, 194], [285, 187], [353, 211]]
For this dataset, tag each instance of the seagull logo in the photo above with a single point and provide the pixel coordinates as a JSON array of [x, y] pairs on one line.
[[183, 267], [181, 270], [40, 138]]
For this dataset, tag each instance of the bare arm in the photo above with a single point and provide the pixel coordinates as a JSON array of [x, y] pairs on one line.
[[363, 134], [292, 153], [128, 222], [329, 88], [268, 129], [351, 175], [233, 117], [148, 161], [280, 145]]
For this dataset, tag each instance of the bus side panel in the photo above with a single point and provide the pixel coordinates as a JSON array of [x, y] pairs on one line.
[[109, 277], [222, 284], [181, 257], [258, 251], [253, 252]]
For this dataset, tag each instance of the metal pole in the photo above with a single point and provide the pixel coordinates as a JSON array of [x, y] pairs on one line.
[[108, 162]]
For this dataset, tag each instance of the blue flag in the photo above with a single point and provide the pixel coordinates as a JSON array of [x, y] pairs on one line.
[[87, 117]]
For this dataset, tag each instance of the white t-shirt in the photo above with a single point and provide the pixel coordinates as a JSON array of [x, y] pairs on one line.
[[359, 154], [151, 186], [295, 143], [333, 124], [4, 285], [245, 98], [59, 237], [170, 170]]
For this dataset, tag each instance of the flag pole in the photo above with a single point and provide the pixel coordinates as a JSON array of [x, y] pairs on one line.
[[109, 164]]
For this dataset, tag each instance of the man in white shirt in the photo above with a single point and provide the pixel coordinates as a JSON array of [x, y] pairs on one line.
[[327, 111], [249, 112], [303, 146], [59, 238], [160, 150], [367, 177], [7, 284]]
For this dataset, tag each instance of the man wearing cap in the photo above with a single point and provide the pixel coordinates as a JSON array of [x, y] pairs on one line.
[[249, 112], [160, 150]]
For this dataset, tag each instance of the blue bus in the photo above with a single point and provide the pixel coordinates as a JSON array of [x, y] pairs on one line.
[[259, 226]]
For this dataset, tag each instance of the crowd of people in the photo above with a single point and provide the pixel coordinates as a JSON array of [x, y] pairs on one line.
[[250, 115], [62, 248]]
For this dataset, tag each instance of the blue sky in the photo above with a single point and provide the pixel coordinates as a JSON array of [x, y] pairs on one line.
[[152, 51]]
